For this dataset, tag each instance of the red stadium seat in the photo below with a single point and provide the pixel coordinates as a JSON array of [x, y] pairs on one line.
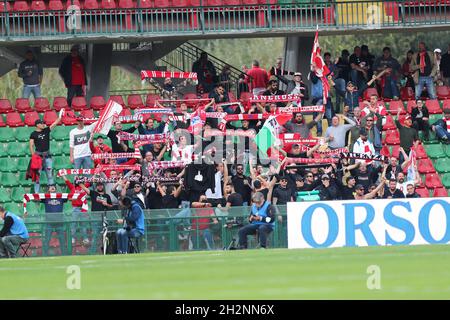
[[421, 153], [440, 192], [392, 137], [118, 99], [385, 151], [2, 6], [125, 112], [151, 99], [407, 93], [433, 106], [425, 166], [60, 103], [2, 123], [213, 3], [96, 103], [108, 4], [30, 118], [41, 105], [50, 117], [55, 5], [161, 3], [432, 181], [23, 105], [90, 4], [446, 104], [390, 124], [134, 101], [145, 4], [369, 92], [126, 4], [442, 92], [13, 119], [395, 105], [79, 103], [87, 114], [232, 2], [423, 192], [38, 5], [21, 6], [5, 106], [179, 3], [69, 119], [411, 104]]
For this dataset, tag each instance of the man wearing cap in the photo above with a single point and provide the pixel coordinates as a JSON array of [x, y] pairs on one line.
[[348, 191], [408, 135], [351, 95], [424, 68], [295, 86], [30, 70], [100, 148], [40, 145], [364, 146], [80, 151], [444, 67], [328, 189], [359, 191], [282, 194], [442, 127], [73, 72]]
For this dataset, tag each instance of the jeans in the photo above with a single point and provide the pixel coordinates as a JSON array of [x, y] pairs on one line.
[[73, 91], [83, 163], [122, 236], [183, 216], [9, 245], [390, 89], [263, 230], [47, 167], [59, 229], [428, 82], [442, 133], [207, 237], [329, 114], [28, 90]]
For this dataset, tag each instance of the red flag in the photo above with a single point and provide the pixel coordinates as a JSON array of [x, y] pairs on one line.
[[319, 67]]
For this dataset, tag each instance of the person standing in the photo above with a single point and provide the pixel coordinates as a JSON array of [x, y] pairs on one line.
[[30, 70], [445, 66], [40, 145], [12, 235], [206, 73], [80, 151], [424, 67], [257, 78], [73, 72]]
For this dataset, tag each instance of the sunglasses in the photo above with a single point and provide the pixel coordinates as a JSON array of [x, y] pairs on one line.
[[369, 120], [325, 179]]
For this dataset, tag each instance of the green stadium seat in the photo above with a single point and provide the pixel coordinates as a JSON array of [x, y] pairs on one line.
[[7, 135], [8, 164], [434, 118], [56, 148], [9, 179], [5, 195], [66, 148], [22, 181], [14, 207], [435, 151], [442, 165], [447, 150], [446, 180], [18, 149], [22, 164], [61, 162], [23, 134], [17, 194], [34, 208], [61, 133], [43, 181]]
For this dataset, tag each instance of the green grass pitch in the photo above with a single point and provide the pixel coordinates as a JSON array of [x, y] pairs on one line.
[[413, 272]]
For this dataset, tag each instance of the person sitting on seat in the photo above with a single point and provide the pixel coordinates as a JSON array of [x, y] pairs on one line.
[[133, 224], [12, 235], [262, 219]]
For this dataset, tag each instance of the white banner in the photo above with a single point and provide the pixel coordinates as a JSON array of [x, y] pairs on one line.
[[328, 224]]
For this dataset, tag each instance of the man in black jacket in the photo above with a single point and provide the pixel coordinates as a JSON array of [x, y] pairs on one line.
[[73, 72], [295, 86], [30, 70], [420, 116]]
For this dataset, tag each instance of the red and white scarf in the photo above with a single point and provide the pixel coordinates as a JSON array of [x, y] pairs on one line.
[[311, 160], [168, 74], [120, 155], [152, 138], [65, 172], [165, 164], [119, 167], [155, 110], [229, 132], [278, 98], [362, 156], [42, 196], [447, 122]]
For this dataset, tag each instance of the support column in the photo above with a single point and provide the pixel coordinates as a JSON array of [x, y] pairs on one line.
[[98, 69], [297, 55]]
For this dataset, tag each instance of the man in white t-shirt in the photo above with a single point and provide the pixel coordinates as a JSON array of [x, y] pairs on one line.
[[80, 152]]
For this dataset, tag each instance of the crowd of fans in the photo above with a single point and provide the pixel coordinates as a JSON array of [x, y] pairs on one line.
[[240, 177]]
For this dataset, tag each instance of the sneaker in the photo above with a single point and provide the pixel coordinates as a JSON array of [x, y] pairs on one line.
[[85, 241]]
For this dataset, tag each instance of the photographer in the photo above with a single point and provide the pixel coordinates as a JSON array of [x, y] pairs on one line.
[[133, 224], [262, 219]]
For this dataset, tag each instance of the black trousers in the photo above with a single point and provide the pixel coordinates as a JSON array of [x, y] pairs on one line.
[[423, 125], [73, 91], [263, 231]]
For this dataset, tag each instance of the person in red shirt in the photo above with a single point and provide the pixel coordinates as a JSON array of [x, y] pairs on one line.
[[73, 72], [99, 149], [257, 78]]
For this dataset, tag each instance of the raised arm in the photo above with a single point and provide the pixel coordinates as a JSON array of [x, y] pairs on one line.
[[374, 192]]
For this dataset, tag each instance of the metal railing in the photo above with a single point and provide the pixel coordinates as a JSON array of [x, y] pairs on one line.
[[164, 230], [231, 20], [183, 57]]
